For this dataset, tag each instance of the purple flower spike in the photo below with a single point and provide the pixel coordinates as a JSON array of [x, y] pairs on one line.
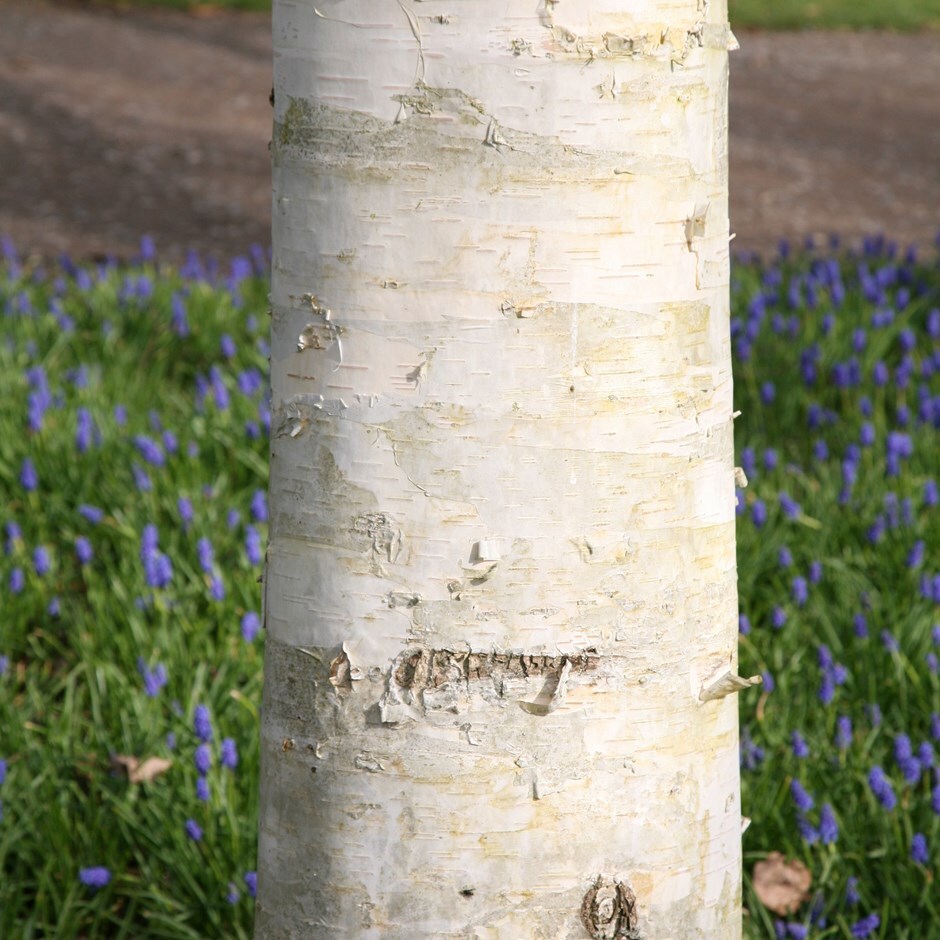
[[852, 896], [251, 626], [866, 926], [799, 745], [202, 758], [229, 755], [28, 476], [800, 591], [202, 724], [804, 802], [96, 877], [843, 732], [83, 550], [881, 787], [828, 827]]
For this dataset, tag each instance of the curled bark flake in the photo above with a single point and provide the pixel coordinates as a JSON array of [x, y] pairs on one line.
[[340, 672], [727, 684]]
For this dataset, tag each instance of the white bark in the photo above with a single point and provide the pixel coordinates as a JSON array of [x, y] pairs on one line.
[[501, 572]]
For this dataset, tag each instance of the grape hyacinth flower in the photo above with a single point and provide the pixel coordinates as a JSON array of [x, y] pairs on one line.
[[808, 832], [931, 493], [193, 830], [84, 430], [202, 758], [29, 479], [828, 827], [866, 926], [219, 391], [14, 535], [758, 513], [860, 626], [250, 625], [804, 802], [751, 753], [925, 754], [919, 850], [800, 591], [253, 545], [778, 618], [889, 641], [251, 882], [259, 506], [17, 580], [202, 789], [843, 732], [154, 679], [881, 788], [83, 550], [217, 589], [178, 320], [229, 754], [915, 557], [205, 555], [799, 746], [184, 506], [96, 877], [41, 562], [852, 897], [92, 513], [791, 508], [141, 478], [202, 724]]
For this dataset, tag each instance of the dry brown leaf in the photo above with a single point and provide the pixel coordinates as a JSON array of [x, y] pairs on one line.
[[140, 771], [781, 885], [150, 769]]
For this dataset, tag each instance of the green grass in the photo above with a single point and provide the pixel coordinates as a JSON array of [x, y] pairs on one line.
[[848, 429], [904, 15], [118, 406], [74, 637]]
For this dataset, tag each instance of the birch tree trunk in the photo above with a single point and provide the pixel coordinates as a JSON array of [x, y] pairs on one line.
[[500, 594]]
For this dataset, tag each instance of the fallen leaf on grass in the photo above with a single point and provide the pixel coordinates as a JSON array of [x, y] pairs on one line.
[[140, 771], [781, 885]]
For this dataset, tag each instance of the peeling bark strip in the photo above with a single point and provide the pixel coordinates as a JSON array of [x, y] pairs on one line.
[[435, 679], [430, 669], [500, 592]]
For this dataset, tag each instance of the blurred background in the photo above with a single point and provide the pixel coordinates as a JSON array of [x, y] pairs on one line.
[[152, 116]]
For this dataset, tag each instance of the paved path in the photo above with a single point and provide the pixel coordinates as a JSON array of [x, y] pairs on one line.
[[113, 124]]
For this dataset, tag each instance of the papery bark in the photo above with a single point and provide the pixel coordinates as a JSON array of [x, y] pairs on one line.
[[502, 564]]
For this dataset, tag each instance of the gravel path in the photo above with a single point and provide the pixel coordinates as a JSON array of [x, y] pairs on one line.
[[113, 124]]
